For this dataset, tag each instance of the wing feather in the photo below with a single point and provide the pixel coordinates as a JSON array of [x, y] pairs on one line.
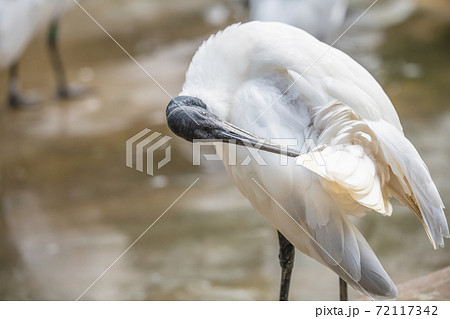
[[343, 79], [412, 174]]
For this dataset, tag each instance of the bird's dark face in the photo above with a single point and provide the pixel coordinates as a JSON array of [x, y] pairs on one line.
[[189, 118]]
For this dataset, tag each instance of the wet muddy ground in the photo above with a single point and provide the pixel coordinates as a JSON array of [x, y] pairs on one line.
[[70, 206]]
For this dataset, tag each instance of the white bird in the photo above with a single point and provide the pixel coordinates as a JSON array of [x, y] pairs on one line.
[[273, 81], [323, 19], [354, 26], [328, 19], [20, 20]]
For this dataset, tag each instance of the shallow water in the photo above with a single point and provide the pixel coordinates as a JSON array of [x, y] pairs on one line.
[[70, 206]]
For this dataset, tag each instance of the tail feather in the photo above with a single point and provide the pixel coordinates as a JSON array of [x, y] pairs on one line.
[[414, 178], [374, 280]]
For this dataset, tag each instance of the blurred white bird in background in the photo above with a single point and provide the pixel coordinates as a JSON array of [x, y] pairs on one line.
[[20, 20], [267, 80], [323, 19], [327, 20]]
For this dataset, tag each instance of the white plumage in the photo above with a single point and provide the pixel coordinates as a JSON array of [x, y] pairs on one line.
[[354, 26], [324, 19], [20, 20], [328, 19], [240, 72]]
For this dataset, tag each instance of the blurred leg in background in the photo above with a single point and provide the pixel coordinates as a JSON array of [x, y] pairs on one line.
[[64, 90], [16, 99]]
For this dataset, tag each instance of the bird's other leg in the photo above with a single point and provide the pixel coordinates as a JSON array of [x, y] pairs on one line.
[[343, 291], [64, 91], [286, 256], [16, 99]]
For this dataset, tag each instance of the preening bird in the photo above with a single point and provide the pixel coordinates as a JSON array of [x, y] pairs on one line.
[[20, 20], [256, 82]]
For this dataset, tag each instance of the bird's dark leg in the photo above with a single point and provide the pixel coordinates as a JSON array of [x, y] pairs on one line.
[[56, 60], [13, 89], [343, 292], [16, 99], [286, 257], [63, 89]]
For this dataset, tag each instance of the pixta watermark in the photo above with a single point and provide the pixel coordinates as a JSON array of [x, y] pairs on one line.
[[141, 147], [243, 155]]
